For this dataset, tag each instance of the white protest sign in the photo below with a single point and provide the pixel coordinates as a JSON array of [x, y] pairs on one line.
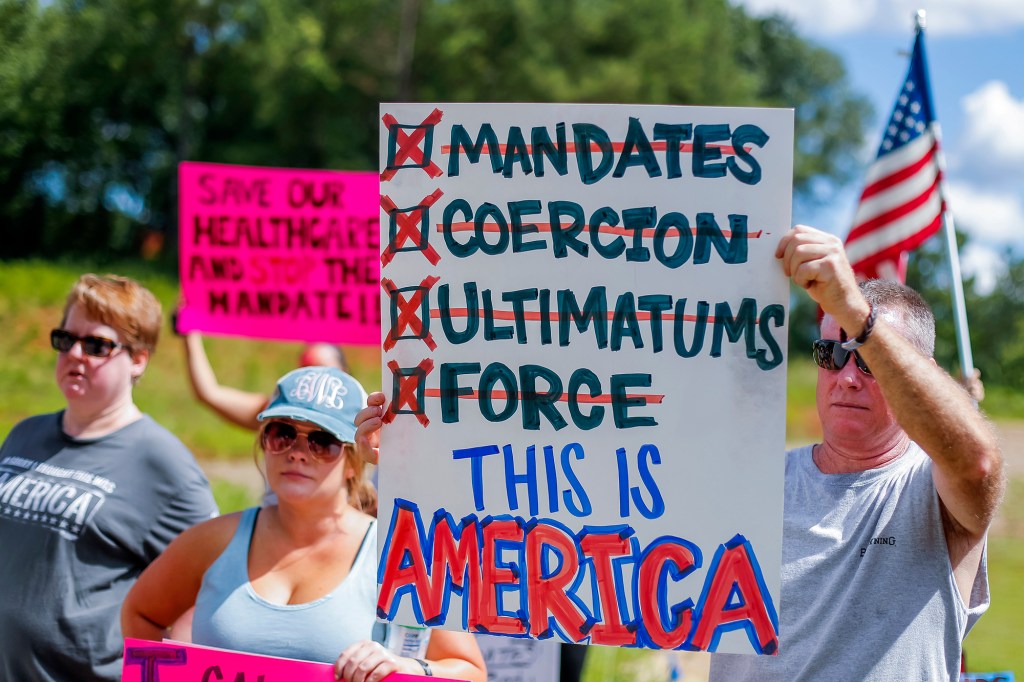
[[584, 352]]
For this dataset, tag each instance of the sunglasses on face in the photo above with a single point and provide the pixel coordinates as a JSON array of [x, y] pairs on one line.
[[280, 437], [831, 355], [98, 347]]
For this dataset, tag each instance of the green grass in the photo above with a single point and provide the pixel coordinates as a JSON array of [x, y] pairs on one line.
[[1003, 403], [994, 643], [801, 413]]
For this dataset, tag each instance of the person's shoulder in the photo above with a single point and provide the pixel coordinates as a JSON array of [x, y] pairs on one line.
[[30, 431], [201, 544], [798, 455], [158, 443], [162, 453], [916, 460], [802, 451], [154, 430], [37, 422], [224, 526], [45, 418]]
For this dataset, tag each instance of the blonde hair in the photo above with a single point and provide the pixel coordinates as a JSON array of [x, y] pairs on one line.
[[361, 493], [121, 303]]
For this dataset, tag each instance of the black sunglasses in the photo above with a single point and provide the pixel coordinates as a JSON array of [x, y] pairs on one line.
[[280, 437], [62, 340], [831, 355]]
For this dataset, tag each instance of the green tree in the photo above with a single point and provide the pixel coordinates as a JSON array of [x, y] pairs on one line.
[[997, 326], [695, 52], [995, 319], [100, 101]]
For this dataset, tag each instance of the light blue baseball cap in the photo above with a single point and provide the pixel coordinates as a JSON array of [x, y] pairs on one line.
[[324, 396]]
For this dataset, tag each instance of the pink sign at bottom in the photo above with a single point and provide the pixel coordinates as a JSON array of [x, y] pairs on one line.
[[168, 661]]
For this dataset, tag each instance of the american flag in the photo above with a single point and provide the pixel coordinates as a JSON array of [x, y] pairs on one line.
[[902, 203]]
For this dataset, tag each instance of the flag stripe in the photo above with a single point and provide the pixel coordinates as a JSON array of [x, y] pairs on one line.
[[897, 159], [897, 250], [926, 165], [901, 205], [921, 219], [907, 202], [885, 202]]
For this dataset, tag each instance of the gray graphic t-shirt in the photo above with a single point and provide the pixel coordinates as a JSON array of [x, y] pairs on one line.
[[79, 521]]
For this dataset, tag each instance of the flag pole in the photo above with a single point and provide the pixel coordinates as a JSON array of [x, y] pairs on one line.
[[963, 339]]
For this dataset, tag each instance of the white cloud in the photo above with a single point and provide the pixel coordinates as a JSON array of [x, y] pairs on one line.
[[985, 263], [946, 17], [828, 16], [992, 143], [988, 215]]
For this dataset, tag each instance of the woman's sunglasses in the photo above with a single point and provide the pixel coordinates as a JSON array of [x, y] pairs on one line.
[[280, 437], [98, 347], [831, 355]]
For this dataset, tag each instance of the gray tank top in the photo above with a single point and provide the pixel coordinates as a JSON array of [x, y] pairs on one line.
[[868, 591], [230, 615]]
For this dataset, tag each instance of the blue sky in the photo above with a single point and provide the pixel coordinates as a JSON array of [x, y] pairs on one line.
[[975, 54]]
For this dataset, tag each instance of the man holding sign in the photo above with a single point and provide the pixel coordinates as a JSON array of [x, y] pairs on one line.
[[584, 337], [884, 566]]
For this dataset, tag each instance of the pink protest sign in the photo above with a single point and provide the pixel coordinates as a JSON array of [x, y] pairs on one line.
[[280, 253], [167, 661]]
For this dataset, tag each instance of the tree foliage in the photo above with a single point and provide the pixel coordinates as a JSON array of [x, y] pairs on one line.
[[995, 319], [100, 100]]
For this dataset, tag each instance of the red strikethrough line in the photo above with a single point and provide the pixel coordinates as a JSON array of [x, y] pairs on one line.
[[602, 229], [570, 147], [529, 316], [583, 398]]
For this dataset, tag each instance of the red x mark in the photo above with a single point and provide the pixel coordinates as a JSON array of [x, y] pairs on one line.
[[409, 224], [408, 383], [409, 146], [408, 317]]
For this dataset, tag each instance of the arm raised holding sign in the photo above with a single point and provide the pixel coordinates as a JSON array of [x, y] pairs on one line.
[[295, 579], [908, 476], [235, 405]]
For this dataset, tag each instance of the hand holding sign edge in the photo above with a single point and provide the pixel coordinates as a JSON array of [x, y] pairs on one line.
[[368, 425]]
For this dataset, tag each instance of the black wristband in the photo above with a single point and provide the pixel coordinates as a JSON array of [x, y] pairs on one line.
[[426, 667], [862, 338]]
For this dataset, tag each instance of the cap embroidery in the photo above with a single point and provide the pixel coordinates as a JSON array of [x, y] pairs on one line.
[[320, 388]]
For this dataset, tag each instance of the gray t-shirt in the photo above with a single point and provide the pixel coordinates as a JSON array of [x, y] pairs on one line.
[[79, 521], [868, 591]]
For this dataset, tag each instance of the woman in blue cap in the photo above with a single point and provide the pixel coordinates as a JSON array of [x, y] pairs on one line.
[[296, 579]]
